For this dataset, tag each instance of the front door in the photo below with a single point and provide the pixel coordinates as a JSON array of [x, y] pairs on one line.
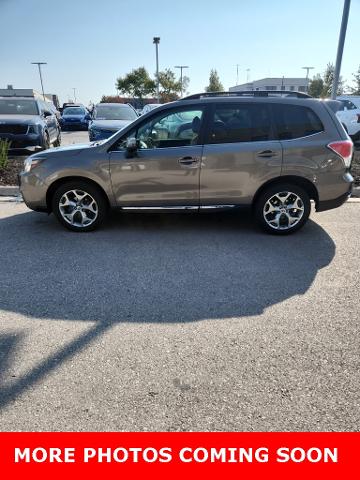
[[165, 169]]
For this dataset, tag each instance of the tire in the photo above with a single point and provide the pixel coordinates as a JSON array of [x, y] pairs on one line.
[[57, 142], [79, 206], [272, 212], [46, 141]]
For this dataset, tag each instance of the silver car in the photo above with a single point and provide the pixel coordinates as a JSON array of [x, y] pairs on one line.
[[271, 153]]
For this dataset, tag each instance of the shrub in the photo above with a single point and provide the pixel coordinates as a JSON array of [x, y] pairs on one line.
[[4, 150]]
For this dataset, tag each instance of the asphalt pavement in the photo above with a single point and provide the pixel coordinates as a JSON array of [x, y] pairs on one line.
[[179, 322]]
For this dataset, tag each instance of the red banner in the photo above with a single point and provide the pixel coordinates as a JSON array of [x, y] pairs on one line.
[[185, 455]]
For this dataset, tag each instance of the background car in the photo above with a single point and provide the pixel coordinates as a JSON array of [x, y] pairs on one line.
[[28, 122], [108, 118], [75, 118], [150, 106], [349, 115]]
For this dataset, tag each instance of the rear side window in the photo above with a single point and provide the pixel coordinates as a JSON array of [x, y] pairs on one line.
[[240, 123], [295, 121]]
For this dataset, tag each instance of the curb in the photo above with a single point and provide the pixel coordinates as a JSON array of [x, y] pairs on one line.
[[9, 191]]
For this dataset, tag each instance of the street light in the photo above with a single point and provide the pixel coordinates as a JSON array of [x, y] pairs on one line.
[[74, 89], [41, 80], [237, 73], [181, 75], [307, 76], [342, 35], [156, 41]]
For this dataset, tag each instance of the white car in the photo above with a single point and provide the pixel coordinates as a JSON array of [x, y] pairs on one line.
[[349, 115], [148, 107]]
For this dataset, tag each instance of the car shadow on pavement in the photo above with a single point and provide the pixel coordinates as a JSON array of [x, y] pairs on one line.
[[148, 268]]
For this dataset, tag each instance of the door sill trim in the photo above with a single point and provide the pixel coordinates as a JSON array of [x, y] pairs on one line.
[[178, 208]]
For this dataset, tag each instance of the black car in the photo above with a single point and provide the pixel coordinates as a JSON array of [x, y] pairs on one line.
[[28, 122]]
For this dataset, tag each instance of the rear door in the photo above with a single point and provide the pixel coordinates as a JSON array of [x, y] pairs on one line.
[[240, 153], [165, 170]]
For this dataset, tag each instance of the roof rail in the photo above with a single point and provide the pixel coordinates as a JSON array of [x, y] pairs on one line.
[[248, 93]]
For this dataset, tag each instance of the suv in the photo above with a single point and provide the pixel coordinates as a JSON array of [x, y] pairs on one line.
[[28, 122], [206, 151]]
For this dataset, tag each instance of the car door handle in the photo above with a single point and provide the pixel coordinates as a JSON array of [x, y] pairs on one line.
[[266, 154], [188, 161]]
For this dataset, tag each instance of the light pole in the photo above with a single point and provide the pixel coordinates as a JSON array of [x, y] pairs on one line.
[[307, 76], [156, 40], [181, 75], [237, 73], [74, 90], [41, 80], [340, 50], [247, 75]]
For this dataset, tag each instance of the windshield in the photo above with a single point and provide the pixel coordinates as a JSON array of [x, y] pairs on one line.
[[74, 111], [114, 112], [18, 107]]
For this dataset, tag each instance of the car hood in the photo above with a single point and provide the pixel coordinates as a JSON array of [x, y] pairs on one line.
[[75, 148], [109, 124], [25, 119]]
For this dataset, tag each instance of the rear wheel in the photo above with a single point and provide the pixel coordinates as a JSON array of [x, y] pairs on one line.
[[282, 209], [79, 206]]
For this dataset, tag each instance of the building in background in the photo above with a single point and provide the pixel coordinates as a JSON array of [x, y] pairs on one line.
[[28, 92], [272, 84]]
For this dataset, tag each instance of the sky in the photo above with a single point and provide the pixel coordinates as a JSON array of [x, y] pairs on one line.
[[87, 44]]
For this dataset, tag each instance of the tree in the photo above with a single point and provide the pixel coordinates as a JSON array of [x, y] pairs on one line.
[[137, 83], [356, 90], [169, 87], [316, 86], [329, 80], [214, 82]]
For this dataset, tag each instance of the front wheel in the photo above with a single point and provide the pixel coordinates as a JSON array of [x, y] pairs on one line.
[[79, 206], [282, 209], [57, 142]]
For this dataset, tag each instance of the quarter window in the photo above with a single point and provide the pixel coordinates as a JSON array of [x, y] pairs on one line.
[[240, 123], [294, 121]]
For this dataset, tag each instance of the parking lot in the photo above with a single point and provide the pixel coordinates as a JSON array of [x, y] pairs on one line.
[[178, 322]]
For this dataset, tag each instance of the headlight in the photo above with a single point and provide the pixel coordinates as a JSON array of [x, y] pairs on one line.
[[32, 162], [32, 129]]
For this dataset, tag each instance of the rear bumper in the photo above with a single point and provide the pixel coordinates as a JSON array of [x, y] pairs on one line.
[[334, 203]]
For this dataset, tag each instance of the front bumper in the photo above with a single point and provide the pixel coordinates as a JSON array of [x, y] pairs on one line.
[[33, 190], [74, 125], [25, 140]]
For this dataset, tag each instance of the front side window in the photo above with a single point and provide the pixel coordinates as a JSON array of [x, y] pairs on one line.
[[295, 121], [173, 129], [348, 105], [240, 123]]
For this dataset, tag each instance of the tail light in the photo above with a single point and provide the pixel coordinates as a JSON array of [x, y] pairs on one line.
[[344, 149]]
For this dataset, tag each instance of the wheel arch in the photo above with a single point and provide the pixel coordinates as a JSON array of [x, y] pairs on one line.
[[302, 182], [60, 181]]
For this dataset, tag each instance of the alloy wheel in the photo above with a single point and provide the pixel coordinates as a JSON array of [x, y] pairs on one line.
[[283, 210], [78, 208]]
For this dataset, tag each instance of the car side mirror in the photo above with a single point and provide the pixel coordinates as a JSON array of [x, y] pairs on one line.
[[131, 147], [47, 114]]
